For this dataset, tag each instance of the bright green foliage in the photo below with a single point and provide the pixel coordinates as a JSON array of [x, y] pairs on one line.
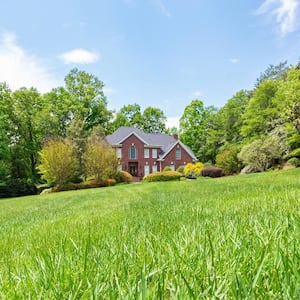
[[261, 110], [58, 165], [194, 125], [154, 120], [230, 118], [262, 153], [273, 72], [231, 238], [163, 176], [26, 131], [90, 104], [129, 115], [167, 168], [100, 160], [228, 161], [58, 112]]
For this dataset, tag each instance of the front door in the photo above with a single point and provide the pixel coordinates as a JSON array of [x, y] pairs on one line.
[[133, 169]]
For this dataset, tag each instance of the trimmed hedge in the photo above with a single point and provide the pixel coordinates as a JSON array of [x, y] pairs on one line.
[[84, 185], [163, 176], [123, 176], [211, 171]]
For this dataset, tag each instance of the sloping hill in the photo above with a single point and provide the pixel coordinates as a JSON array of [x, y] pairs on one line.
[[233, 237]]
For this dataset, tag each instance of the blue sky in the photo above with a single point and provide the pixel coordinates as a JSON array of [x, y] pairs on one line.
[[160, 53]]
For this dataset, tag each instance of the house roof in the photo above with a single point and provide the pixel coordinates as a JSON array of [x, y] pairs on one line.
[[164, 141]]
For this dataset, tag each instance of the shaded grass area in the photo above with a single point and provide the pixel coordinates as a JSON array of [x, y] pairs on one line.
[[234, 237]]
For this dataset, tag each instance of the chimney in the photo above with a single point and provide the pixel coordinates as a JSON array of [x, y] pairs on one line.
[[175, 136]]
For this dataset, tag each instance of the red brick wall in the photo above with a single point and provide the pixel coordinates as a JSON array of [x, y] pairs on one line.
[[133, 140], [171, 157]]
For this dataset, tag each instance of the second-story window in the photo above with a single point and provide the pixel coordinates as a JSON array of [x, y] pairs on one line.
[[132, 152], [146, 153], [154, 153], [119, 152], [178, 153]]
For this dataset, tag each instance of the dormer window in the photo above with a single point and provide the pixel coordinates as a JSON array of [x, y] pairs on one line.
[[132, 152]]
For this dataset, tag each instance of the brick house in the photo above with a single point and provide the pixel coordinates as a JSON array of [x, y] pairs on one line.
[[142, 153]]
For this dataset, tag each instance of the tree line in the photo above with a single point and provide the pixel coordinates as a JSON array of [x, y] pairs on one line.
[[256, 129]]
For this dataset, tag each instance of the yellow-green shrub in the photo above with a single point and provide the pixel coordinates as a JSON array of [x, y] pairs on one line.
[[163, 176]]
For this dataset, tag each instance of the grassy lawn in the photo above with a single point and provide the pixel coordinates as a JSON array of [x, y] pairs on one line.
[[233, 237]]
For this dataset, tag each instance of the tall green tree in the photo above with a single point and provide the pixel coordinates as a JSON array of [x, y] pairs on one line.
[[26, 135], [128, 115], [89, 102], [154, 120], [195, 124], [58, 111], [273, 72], [5, 104], [261, 110]]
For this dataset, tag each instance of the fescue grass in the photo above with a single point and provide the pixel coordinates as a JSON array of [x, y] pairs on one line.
[[231, 238]]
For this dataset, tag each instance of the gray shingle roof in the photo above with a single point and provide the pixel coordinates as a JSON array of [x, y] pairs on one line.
[[164, 141]]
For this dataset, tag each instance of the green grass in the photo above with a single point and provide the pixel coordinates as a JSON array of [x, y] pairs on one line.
[[232, 238]]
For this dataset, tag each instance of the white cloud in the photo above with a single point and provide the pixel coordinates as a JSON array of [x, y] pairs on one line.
[[21, 69], [285, 12], [79, 56], [234, 60], [173, 122], [197, 94]]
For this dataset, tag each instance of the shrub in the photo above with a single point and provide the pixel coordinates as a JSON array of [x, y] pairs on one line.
[[192, 170], [294, 161], [263, 153], [163, 176], [123, 176], [228, 161], [167, 169], [84, 185], [17, 187], [211, 171], [180, 170]]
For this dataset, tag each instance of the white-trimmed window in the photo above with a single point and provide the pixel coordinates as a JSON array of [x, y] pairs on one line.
[[132, 152], [154, 168], [154, 153], [119, 152], [146, 153], [146, 170], [178, 153]]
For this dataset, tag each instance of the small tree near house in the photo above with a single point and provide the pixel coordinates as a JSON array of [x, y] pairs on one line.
[[57, 162], [100, 159]]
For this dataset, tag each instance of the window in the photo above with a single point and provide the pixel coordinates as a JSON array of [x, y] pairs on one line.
[[146, 170], [154, 153], [178, 153], [146, 153], [154, 168], [132, 152], [119, 152]]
